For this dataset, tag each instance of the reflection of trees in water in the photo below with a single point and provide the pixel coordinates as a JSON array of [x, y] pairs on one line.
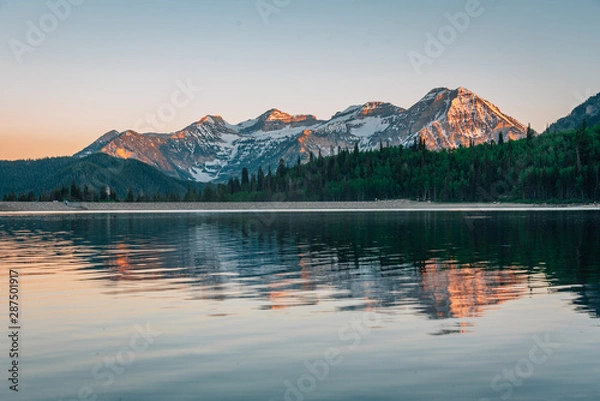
[[442, 264], [587, 298]]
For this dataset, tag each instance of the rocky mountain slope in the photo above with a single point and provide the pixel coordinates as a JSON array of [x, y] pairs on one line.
[[212, 149], [588, 111]]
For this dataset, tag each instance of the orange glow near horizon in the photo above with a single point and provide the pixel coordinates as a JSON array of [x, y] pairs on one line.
[[38, 147]]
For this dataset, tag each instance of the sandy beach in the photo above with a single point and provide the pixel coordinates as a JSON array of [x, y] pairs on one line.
[[12, 208]]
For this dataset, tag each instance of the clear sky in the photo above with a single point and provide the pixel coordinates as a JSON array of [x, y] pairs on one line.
[[70, 75]]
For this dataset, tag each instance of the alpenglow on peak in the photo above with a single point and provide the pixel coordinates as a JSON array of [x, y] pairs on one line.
[[213, 149]]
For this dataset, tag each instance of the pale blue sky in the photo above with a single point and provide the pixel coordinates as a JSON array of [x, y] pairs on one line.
[[112, 63]]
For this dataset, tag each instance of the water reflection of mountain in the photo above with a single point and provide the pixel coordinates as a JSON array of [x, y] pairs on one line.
[[440, 264], [450, 290]]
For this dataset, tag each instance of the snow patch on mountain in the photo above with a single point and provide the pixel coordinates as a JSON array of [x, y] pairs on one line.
[[366, 128]]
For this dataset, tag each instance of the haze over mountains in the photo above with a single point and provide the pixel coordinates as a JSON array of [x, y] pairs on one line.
[[213, 149]]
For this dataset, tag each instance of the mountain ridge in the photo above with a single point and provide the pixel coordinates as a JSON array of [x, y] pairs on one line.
[[588, 111], [211, 149], [97, 171]]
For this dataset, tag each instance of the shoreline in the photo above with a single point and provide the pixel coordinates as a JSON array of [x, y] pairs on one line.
[[19, 208]]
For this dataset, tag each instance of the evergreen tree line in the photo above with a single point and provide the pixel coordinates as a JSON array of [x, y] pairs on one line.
[[553, 167], [86, 193], [97, 177]]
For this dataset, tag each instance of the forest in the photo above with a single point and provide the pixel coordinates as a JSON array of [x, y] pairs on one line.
[[552, 167], [555, 167]]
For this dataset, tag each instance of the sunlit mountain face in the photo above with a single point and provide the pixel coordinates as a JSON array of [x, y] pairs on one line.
[[212, 149]]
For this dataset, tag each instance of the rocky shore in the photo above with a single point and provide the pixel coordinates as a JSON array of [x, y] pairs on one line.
[[399, 205]]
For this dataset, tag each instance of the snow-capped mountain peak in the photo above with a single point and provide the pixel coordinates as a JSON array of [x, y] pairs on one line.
[[379, 109], [213, 149], [276, 120], [433, 94], [276, 115], [216, 119]]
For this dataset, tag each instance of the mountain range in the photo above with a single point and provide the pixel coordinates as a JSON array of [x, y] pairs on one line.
[[212, 149]]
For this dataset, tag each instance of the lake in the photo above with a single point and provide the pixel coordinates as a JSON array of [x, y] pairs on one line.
[[305, 306]]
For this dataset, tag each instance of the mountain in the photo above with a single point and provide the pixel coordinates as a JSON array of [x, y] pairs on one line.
[[212, 149], [588, 111], [96, 171]]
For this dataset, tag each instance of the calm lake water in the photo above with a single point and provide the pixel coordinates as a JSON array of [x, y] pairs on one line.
[[306, 306]]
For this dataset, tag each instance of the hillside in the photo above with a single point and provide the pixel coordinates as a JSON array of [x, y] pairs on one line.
[[97, 171], [588, 111]]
